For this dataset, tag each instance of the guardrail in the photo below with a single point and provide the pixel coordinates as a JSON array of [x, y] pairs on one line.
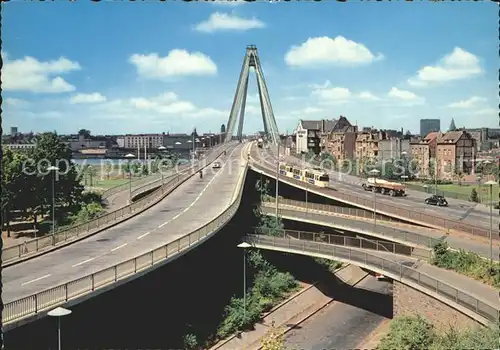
[[15, 252], [392, 269], [32, 305], [383, 208], [380, 229], [355, 242]]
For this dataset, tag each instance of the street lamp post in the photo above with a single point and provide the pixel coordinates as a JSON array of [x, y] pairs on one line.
[[54, 170], [374, 173], [277, 179], [90, 174], [129, 156], [59, 312], [161, 149], [490, 184], [244, 245]]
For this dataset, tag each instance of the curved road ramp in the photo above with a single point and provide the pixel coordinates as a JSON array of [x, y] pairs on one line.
[[29, 249], [409, 215], [484, 308], [27, 309]]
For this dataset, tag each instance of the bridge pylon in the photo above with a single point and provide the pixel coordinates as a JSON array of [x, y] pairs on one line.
[[251, 60]]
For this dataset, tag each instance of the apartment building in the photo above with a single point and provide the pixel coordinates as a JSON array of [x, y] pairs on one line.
[[393, 148], [340, 142], [310, 133], [455, 153], [140, 141], [422, 151], [367, 144]]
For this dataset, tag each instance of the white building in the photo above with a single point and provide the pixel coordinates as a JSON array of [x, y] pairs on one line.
[[308, 133], [140, 141]]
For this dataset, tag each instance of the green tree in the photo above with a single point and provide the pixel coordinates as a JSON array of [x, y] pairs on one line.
[[474, 196], [270, 225], [52, 151], [84, 132]]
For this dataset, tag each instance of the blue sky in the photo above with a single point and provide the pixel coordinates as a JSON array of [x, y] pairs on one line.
[[151, 67]]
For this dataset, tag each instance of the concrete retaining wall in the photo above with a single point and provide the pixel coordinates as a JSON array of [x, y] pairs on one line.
[[409, 301]]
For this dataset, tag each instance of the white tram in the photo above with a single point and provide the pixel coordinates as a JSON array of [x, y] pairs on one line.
[[314, 176]]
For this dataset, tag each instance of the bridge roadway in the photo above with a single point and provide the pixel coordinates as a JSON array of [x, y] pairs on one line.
[[457, 210], [120, 199], [445, 285], [401, 233], [190, 206]]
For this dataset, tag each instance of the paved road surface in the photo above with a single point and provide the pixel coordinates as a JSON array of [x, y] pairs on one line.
[[339, 325], [390, 230], [190, 206], [457, 210], [120, 199]]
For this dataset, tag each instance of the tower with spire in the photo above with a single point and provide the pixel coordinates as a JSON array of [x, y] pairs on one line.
[[452, 126]]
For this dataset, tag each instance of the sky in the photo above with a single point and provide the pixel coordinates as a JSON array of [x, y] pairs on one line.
[[151, 67]]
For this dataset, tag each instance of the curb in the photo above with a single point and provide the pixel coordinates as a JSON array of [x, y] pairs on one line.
[[274, 309], [99, 230]]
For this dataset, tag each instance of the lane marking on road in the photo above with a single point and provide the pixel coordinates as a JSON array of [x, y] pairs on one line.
[[36, 279], [83, 262], [119, 247], [144, 235], [202, 191]]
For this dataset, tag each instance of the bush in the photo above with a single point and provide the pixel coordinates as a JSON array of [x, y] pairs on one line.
[[88, 212], [415, 332], [270, 286], [467, 263], [190, 342], [408, 332], [331, 265], [473, 196]]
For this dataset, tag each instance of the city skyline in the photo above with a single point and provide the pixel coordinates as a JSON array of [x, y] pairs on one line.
[[114, 77]]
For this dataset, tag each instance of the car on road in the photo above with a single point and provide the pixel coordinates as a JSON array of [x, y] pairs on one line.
[[440, 201], [216, 165]]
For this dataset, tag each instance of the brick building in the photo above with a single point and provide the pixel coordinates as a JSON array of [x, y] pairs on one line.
[[455, 153], [422, 151], [340, 142]]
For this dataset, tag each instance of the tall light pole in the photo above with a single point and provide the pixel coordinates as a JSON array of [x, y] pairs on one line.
[[244, 245], [374, 173], [161, 149], [53, 170], [277, 179], [491, 183], [129, 156], [59, 312]]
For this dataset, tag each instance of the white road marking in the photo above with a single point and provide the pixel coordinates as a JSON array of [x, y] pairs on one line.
[[121, 246], [201, 192], [83, 262], [36, 279], [144, 235]]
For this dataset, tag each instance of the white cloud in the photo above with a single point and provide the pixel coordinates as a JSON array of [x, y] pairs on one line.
[[94, 97], [29, 74], [487, 111], [169, 104], [469, 103], [307, 110], [366, 95], [325, 50], [228, 3], [223, 21], [405, 96], [457, 65], [177, 63], [334, 95], [16, 102]]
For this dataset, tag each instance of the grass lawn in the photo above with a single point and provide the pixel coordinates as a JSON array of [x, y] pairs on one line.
[[464, 189], [105, 183]]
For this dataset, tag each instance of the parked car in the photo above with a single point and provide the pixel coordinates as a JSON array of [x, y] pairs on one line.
[[440, 201], [216, 165]]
